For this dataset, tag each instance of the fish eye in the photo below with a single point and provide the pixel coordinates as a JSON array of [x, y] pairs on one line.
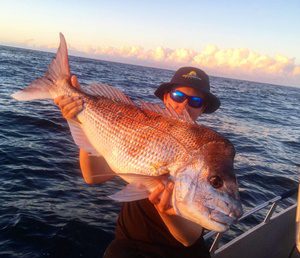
[[216, 182]]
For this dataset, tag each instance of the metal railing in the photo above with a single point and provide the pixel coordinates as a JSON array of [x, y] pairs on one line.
[[273, 202]]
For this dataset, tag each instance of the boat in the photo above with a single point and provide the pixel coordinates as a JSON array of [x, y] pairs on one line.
[[274, 237]]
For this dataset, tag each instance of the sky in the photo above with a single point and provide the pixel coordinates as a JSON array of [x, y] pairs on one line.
[[249, 40]]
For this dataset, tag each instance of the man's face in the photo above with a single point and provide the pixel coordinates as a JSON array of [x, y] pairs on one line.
[[179, 107]]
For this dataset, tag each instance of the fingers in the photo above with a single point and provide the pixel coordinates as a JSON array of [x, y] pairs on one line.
[[58, 99], [70, 111], [154, 197], [69, 106], [161, 198], [165, 201], [74, 81]]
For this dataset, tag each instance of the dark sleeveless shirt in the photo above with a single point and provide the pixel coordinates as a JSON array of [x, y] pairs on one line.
[[141, 229]]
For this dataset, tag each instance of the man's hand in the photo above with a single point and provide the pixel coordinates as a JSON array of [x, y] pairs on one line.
[[161, 198], [70, 106], [183, 230]]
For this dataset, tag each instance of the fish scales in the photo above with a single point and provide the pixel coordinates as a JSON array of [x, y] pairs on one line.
[[131, 140], [136, 141]]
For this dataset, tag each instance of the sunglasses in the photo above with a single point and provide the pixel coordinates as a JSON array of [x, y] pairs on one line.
[[179, 97]]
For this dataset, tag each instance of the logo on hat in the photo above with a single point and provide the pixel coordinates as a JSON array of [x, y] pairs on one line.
[[191, 75]]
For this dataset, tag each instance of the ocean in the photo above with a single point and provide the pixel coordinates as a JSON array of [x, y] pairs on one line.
[[47, 210]]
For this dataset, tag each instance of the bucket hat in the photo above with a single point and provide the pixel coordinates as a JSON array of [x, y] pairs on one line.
[[195, 78]]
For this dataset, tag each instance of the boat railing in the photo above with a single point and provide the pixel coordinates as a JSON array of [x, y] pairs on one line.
[[272, 203]]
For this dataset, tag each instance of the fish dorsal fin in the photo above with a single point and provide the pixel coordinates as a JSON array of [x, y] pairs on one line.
[[152, 107], [166, 112], [186, 117], [105, 90]]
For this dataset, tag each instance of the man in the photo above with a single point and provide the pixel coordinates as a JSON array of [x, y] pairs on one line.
[[149, 227]]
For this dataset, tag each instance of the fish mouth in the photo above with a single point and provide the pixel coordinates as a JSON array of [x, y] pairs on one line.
[[225, 215], [222, 218]]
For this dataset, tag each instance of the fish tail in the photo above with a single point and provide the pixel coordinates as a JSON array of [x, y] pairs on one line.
[[42, 88]]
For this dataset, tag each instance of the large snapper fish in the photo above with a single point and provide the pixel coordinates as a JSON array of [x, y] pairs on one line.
[[142, 143]]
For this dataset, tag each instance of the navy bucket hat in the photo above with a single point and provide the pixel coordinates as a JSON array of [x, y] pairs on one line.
[[195, 78]]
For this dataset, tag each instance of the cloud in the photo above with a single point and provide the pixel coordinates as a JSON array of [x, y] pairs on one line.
[[240, 63], [296, 71]]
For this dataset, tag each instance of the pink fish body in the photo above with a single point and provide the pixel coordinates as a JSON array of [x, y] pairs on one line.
[[143, 142]]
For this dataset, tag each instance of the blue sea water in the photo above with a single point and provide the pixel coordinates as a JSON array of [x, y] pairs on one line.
[[47, 210]]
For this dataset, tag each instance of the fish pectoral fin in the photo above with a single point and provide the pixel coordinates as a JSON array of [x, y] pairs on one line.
[[139, 187], [150, 182], [80, 138], [132, 192]]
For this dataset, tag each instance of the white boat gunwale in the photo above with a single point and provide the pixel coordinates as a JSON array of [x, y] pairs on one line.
[[273, 203]]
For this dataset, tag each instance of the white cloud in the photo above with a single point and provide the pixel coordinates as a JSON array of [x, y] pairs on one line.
[[241, 63], [296, 71]]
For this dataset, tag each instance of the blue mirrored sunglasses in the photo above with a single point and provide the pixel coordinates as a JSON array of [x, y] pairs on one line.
[[193, 101]]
